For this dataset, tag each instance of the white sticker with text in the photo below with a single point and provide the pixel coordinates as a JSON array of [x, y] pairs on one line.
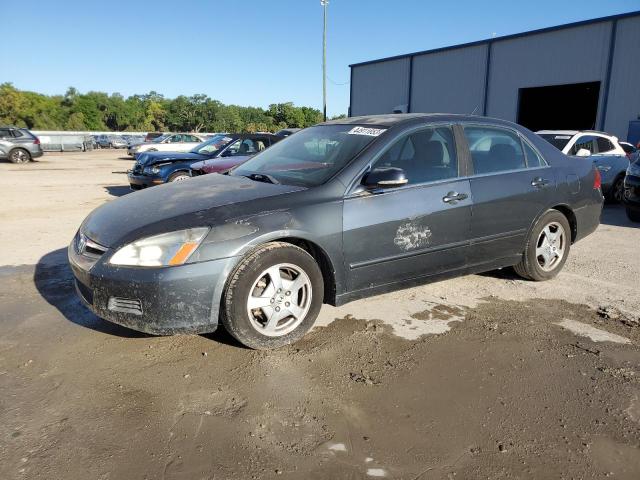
[[371, 132]]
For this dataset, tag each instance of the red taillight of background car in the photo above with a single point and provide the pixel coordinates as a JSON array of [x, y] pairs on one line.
[[597, 180], [36, 141]]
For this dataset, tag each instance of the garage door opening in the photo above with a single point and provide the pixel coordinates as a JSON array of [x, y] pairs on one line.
[[559, 107]]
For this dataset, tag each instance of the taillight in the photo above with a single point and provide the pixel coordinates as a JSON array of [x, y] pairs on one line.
[[36, 141], [597, 179]]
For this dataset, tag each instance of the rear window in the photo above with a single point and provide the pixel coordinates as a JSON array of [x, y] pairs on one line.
[[558, 141]]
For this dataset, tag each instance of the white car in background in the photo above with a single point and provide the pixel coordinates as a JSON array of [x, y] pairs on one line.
[[171, 142], [607, 155]]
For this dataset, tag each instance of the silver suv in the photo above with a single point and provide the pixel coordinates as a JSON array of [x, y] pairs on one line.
[[19, 145]]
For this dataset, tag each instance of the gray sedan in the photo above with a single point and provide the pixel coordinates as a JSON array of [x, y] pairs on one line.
[[343, 210]]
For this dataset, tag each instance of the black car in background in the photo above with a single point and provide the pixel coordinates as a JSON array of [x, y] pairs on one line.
[[343, 210], [155, 168], [631, 197]]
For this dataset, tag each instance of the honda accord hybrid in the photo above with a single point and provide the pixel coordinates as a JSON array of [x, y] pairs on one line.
[[343, 210]]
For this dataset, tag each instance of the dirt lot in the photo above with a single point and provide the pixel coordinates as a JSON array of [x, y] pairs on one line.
[[486, 376]]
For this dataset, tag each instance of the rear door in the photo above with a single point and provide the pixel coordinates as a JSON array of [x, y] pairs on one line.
[[510, 185], [415, 230]]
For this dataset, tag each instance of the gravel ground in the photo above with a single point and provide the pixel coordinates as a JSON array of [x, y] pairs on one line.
[[484, 376]]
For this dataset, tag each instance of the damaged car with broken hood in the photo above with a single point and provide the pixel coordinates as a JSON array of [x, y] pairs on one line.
[[339, 211]]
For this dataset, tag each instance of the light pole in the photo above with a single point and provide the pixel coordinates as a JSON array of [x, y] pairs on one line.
[[324, 4]]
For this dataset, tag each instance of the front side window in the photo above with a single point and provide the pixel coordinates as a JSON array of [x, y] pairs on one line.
[[311, 156], [494, 149], [428, 155], [585, 141], [604, 145]]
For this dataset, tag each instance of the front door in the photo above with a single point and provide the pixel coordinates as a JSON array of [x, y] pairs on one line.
[[415, 230]]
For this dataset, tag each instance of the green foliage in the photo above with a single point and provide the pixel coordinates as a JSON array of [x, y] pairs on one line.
[[148, 112]]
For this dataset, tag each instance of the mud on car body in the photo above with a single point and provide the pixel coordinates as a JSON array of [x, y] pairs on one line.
[[343, 210]]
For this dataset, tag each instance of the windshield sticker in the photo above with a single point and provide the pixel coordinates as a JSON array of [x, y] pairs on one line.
[[562, 137], [371, 132]]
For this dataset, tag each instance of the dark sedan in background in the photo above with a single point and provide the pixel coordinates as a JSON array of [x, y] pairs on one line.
[[219, 153], [632, 191], [343, 210]]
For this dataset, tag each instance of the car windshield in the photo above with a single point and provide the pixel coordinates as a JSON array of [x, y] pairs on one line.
[[160, 139], [213, 145], [557, 140], [311, 156]]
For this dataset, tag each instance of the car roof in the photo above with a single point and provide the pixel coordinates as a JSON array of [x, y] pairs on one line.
[[389, 120]]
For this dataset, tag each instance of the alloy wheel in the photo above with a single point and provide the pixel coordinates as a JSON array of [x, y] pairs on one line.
[[279, 300], [550, 247]]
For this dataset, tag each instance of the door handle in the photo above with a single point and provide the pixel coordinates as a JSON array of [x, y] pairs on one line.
[[539, 182], [454, 197]]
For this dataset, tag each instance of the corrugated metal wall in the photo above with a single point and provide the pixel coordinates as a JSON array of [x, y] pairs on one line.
[[453, 80], [572, 55], [440, 85], [624, 93], [379, 87]]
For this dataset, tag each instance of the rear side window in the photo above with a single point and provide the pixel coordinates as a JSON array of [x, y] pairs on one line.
[[585, 141], [17, 133], [494, 149], [428, 155], [604, 144], [533, 158]]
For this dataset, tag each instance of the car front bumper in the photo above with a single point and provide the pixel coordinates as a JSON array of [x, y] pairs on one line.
[[158, 301], [138, 182]]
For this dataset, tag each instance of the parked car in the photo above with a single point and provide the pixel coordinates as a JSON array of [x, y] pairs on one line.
[[19, 145], [223, 151], [234, 150], [110, 141], [171, 142], [285, 132], [151, 136], [602, 148], [343, 210], [632, 191], [632, 152]]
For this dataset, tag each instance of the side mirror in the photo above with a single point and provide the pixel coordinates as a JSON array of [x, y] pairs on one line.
[[583, 152], [386, 177]]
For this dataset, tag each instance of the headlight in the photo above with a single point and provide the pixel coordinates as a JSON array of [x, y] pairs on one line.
[[604, 168], [166, 249], [155, 170]]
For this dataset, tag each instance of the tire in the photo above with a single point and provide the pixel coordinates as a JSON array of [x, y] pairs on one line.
[[543, 260], [178, 177], [616, 193], [19, 155], [251, 283], [633, 215]]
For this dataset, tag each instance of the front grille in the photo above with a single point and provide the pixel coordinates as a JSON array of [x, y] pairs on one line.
[[137, 169], [85, 246], [125, 305]]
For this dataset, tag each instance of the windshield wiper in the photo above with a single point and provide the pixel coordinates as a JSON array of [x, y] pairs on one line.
[[261, 177]]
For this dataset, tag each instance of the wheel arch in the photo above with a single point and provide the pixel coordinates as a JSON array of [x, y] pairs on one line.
[[571, 218]]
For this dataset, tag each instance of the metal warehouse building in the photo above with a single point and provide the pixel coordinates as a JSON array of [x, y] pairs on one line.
[[582, 75]]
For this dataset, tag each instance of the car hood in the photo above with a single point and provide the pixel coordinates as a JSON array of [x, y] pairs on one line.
[[151, 158], [173, 206], [213, 165]]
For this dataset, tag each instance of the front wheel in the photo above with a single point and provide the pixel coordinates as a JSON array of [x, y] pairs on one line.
[[547, 248], [273, 296], [179, 177]]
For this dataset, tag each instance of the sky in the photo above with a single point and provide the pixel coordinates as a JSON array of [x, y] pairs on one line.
[[249, 52]]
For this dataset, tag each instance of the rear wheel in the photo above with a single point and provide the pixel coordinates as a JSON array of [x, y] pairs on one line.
[[179, 176], [19, 155], [547, 248], [273, 296], [616, 194]]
